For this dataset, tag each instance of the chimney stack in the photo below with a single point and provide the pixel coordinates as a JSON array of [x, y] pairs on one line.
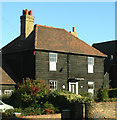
[[27, 23], [73, 32], [73, 29]]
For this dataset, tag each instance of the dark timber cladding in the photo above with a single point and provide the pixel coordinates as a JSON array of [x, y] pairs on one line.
[[69, 66], [110, 49]]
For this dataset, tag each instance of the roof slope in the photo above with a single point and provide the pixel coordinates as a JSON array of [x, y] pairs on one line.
[[18, 44], [56, 39], [5, 78], [50, 38]]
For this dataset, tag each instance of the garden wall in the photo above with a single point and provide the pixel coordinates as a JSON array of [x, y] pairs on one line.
[[92, 111], [101, 110]]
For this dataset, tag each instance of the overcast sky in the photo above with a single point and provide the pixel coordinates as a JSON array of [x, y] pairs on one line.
[[94, 21]]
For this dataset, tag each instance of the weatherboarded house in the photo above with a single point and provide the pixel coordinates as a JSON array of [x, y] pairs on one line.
[[6, 83], [55, 55], [110, 65]]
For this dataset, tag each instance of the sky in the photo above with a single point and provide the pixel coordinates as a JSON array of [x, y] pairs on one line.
[[94, 22]]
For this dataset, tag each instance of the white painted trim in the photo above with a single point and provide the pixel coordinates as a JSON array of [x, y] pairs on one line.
[[76, 83]]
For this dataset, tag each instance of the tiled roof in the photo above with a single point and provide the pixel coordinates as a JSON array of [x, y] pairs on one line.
[[53, 39], [5, 78], [57, 39]]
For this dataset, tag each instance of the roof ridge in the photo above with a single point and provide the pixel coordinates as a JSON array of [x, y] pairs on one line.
[[48, 26]]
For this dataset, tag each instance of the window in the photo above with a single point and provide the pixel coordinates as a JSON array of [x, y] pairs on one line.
[[53, 84], [52, 61], [8, 92], [90, 64], [91, 87], [0, 92], [111, 57]]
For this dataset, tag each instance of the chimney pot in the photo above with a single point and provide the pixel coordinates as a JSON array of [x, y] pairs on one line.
[[30, 12], [26, 11], [73, 29]]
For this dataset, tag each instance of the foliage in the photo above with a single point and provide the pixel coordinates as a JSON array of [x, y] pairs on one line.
[[9, 112], [86, 94], [5, 98], [59, 97], [112, 93], [29, 92], [49, 108], [103, 95]]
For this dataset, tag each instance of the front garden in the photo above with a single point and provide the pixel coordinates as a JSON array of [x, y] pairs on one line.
[[33, 97]]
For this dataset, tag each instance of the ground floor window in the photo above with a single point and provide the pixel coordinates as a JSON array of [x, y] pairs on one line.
[[0, 92], [91, 87], [8, 92], [53, 84]]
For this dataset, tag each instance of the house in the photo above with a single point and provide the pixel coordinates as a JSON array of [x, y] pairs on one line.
[[55, 55], [7, 85], [110, 65]]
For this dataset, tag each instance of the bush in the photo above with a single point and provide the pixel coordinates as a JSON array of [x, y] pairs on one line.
[[5, 98], [58, 97], [103, 95], [112, 93], [49, 108], [86, 94], [9, 112], [29, 92]]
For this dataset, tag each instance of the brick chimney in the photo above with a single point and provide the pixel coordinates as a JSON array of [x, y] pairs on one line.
[[27, 23], [73, 32]]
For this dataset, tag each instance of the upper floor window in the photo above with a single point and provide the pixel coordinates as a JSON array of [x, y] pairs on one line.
[[90, 64], [52, 61]]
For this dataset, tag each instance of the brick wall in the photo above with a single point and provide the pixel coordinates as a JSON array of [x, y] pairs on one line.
[[101, 110]]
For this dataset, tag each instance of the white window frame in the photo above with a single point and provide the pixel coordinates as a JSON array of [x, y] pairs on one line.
[[91, 90], [8, 92], [52, 63], [0, 92], [76, 83], [90, 64], [111, 57], [55, 84]]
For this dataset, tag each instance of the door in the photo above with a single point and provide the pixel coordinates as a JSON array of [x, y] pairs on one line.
[[73, 87]]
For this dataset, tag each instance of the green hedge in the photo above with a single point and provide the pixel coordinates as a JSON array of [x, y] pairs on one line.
[[103, 95], [112, 93]]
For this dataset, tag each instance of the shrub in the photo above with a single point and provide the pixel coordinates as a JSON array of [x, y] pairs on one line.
[[49, 108], [9, 112], [112, 93], [29, 92], [103, 95], [86, 94], [29, 111]]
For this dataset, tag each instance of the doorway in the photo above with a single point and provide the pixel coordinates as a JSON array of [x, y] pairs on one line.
[[73, 87]]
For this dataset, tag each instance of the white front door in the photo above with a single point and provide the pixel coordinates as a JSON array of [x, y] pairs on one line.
[[73, 87]]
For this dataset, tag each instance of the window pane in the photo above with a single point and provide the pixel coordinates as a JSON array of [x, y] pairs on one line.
[[52, 66], [53, 57], [53, 84], [52, 54], [90, 68], [91, 60]]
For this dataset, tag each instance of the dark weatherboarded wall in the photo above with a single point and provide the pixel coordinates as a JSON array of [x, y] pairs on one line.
[[69, 66]]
